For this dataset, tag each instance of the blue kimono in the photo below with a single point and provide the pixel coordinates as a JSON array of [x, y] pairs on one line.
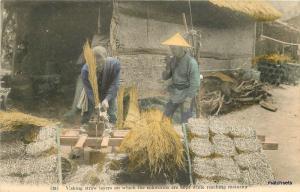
[[108, 81]]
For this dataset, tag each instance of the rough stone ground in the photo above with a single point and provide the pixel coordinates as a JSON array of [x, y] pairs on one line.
[[282, 126], [95, 174], [33, 163]]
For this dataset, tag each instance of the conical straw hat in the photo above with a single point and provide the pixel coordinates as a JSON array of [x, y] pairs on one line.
[[176, 40]]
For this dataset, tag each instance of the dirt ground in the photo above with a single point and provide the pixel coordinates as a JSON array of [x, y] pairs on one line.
[[282, 126]]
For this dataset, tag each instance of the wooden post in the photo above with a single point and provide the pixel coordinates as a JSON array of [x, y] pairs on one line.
[[58, 129], [81, 141], [1, 10], [197, 98], [99, 21], [114, 25], [104, 142], [254, 41], [15, 45], [270, 146]]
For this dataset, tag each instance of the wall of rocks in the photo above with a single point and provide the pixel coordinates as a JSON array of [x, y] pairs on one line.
[[227, 154]]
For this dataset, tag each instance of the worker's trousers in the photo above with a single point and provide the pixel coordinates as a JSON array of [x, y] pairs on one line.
[[186, 110], [111, 112]]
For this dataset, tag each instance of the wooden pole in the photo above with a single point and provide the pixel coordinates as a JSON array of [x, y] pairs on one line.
[[58, 129], [1, 10], [15, 45], [99, 21], [197, 98], [184, 23], [254, 39]]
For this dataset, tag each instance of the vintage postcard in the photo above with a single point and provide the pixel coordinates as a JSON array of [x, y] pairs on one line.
[[140, 95]]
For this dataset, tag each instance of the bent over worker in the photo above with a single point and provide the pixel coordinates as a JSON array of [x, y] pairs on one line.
[[183, 71], [108, 78]]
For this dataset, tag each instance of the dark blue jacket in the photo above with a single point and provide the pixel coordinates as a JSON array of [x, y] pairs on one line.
[[108, 80]]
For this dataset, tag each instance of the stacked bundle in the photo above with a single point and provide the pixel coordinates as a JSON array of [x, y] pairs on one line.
[[120, 106], [273, 58], [153, 144], [279, 73], [133, 114], [227, 154]]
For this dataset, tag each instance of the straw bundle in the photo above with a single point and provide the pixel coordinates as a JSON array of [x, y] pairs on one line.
[[133, 114], [247, 144], [154, 144], [10, 121], [120, 106], [259, 176], [273, 58], [91, 62], [251, 160], [223, 146], [227, 168], [258, 9]]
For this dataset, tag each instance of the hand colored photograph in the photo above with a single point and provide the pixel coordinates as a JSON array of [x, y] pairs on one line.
[[103, 95]]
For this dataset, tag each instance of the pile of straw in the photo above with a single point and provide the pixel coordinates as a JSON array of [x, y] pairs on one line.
[[153, 144], [273, 58], [10, 121], [91, 62], [120, 108], [133, 114]]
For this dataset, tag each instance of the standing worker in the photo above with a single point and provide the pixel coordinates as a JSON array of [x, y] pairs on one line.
[[184, 71], [108, 78]]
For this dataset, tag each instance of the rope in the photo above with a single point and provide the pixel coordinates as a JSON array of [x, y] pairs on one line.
[[276, 40]]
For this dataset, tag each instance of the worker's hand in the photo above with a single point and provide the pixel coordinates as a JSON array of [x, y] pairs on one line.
[[201, 77], [104, 104], [98, 106]]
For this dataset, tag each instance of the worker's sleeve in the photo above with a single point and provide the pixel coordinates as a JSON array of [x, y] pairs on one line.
[[194, 79], [87, 86], [114, 86], [166, 74]]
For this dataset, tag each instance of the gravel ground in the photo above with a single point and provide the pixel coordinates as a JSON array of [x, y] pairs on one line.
[[97, 174], [29, 163]]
